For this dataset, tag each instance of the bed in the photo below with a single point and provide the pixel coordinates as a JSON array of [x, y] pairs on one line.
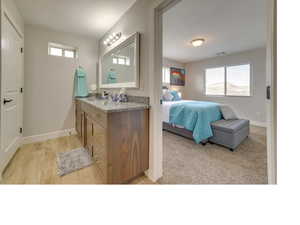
[[190, 119]]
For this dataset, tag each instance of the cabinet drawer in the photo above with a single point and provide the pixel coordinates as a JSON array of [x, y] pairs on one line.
[[96, 114]]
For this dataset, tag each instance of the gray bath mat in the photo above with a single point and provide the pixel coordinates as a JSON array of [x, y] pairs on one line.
[[73, 160]]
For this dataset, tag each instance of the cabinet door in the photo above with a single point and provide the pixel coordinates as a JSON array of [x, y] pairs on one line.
[[99, 142], [79, 123], [99, 148], [89, 135], [82, 128], [78, 120]]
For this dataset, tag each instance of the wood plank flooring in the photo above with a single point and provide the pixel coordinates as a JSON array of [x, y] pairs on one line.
[[36, 164]]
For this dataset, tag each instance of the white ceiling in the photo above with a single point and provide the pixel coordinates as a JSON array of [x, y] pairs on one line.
[[87, 17], [227, 26]]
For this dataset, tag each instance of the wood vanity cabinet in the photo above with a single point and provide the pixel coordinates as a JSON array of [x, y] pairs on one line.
[[117, 141]]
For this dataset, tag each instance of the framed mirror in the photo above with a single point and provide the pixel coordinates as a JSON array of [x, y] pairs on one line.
[[120, 66]]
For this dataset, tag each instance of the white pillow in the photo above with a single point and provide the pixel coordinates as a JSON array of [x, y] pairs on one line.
[[168, 96], [228, 113]]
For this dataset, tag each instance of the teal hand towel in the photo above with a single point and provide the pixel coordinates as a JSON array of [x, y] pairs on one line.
[[81, 89]]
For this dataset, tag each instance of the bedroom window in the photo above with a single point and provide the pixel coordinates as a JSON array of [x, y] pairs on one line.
[[238, 80], [166, 75], [215, 81], [228, 81], [55, 49]]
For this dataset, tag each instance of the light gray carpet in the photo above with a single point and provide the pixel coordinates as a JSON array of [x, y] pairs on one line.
[[188, 163], [73, 160]]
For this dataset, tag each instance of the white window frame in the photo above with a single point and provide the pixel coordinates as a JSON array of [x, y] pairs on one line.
[[225, 80], [63, 48]]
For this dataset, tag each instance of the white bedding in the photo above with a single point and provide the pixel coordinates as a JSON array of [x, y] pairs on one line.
[[167, 107]]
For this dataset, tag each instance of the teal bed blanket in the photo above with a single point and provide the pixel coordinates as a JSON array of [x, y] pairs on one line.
[[196, 116]]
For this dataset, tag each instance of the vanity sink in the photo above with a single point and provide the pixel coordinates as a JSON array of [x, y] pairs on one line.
[[109, 106], [91, 99]]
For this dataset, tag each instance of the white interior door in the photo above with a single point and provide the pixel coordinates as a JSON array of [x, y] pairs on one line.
[[11, 96]]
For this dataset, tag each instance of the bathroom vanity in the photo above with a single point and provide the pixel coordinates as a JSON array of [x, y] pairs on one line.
[[116, 135]]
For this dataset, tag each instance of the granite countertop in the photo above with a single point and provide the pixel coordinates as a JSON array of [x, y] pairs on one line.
[[110, 107]]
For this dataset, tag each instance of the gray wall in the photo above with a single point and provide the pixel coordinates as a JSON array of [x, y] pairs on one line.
[[135, 20], [172, 63], [252, 108], [10, 7], [48, 103]]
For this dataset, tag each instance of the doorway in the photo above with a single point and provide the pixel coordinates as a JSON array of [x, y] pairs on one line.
[[270, 74]]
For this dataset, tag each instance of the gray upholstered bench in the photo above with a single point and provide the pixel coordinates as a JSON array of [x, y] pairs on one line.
[[230, 133]]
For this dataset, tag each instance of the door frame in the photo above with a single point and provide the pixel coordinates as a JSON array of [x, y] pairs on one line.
[[271, 73], [5, 15]]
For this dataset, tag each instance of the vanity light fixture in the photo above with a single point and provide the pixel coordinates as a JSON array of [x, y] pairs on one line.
[[112, 38], [198, 42]]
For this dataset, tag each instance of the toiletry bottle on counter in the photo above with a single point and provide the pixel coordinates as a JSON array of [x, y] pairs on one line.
[[93, 88], [123, 96]]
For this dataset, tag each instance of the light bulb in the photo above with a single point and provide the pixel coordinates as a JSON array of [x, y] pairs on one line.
[[198, 42]]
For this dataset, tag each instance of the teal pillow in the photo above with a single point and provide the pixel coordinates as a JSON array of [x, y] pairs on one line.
[[175, 95]]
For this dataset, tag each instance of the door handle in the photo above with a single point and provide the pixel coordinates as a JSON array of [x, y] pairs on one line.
[[7, 100], [268, 92]]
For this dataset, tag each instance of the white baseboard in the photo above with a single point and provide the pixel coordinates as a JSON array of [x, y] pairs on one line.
[[258, 124], [48, 136]]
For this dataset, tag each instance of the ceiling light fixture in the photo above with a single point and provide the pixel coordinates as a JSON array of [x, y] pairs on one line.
[[112, 39], [198, 42]]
